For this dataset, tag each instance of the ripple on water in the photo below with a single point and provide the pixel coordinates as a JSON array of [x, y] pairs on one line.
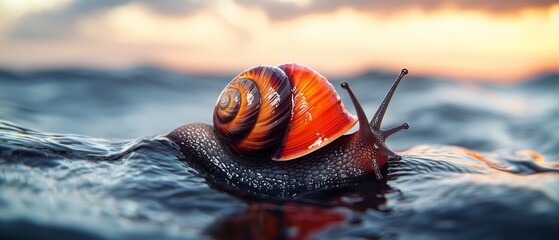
[[82, 187], [128, 189]]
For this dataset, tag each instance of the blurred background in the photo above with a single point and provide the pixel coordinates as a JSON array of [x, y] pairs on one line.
[[133, 68], [502, 41], [103, 79]]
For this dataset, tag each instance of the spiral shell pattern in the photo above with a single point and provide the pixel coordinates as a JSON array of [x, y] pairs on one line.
[[253, 112], [281, 112]]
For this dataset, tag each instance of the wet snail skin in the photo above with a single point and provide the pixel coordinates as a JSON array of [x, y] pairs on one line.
[[278, 131]]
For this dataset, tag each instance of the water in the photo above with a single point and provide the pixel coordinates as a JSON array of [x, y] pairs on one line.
[[82, 156]]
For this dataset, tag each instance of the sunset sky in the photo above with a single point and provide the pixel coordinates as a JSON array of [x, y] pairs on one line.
[[465, 39]]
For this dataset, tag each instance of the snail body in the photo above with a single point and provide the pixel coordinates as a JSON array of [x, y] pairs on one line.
[[278, 132]]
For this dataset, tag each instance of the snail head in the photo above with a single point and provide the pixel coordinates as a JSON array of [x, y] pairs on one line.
[[371, 131]]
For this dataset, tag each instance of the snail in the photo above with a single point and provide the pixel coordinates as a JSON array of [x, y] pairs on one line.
[[278, 131]]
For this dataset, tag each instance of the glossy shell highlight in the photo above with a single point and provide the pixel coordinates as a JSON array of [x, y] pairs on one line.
[[253, 112], [281, 112], [318, 116]]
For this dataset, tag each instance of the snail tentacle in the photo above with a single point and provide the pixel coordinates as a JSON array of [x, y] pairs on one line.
[[364, 127], [379, 115], [387, 133], [279, 131], [366, 133], [371, 130]]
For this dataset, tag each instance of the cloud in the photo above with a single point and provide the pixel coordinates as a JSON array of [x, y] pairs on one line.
[[62, 22], [281, 10]]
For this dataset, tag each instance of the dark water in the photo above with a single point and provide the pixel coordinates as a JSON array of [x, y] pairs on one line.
[[82, 157]]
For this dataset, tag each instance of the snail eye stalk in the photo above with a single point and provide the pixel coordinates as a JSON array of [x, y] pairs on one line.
[[364, 127], [368, 130], [387, 133], [379, 115]]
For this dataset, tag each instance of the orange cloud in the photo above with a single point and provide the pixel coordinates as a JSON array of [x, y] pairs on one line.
[[226, 37]]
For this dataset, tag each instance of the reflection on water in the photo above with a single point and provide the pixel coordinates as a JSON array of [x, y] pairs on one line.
[[285, 220], [306, 217], [479, 162]]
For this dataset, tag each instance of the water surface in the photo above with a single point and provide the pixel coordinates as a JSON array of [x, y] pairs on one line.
[[82, 156]]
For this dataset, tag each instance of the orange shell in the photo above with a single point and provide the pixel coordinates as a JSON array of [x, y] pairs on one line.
[[255, 127], [318, 116]]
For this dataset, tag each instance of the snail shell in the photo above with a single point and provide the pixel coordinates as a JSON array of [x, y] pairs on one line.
[[280, 112]]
